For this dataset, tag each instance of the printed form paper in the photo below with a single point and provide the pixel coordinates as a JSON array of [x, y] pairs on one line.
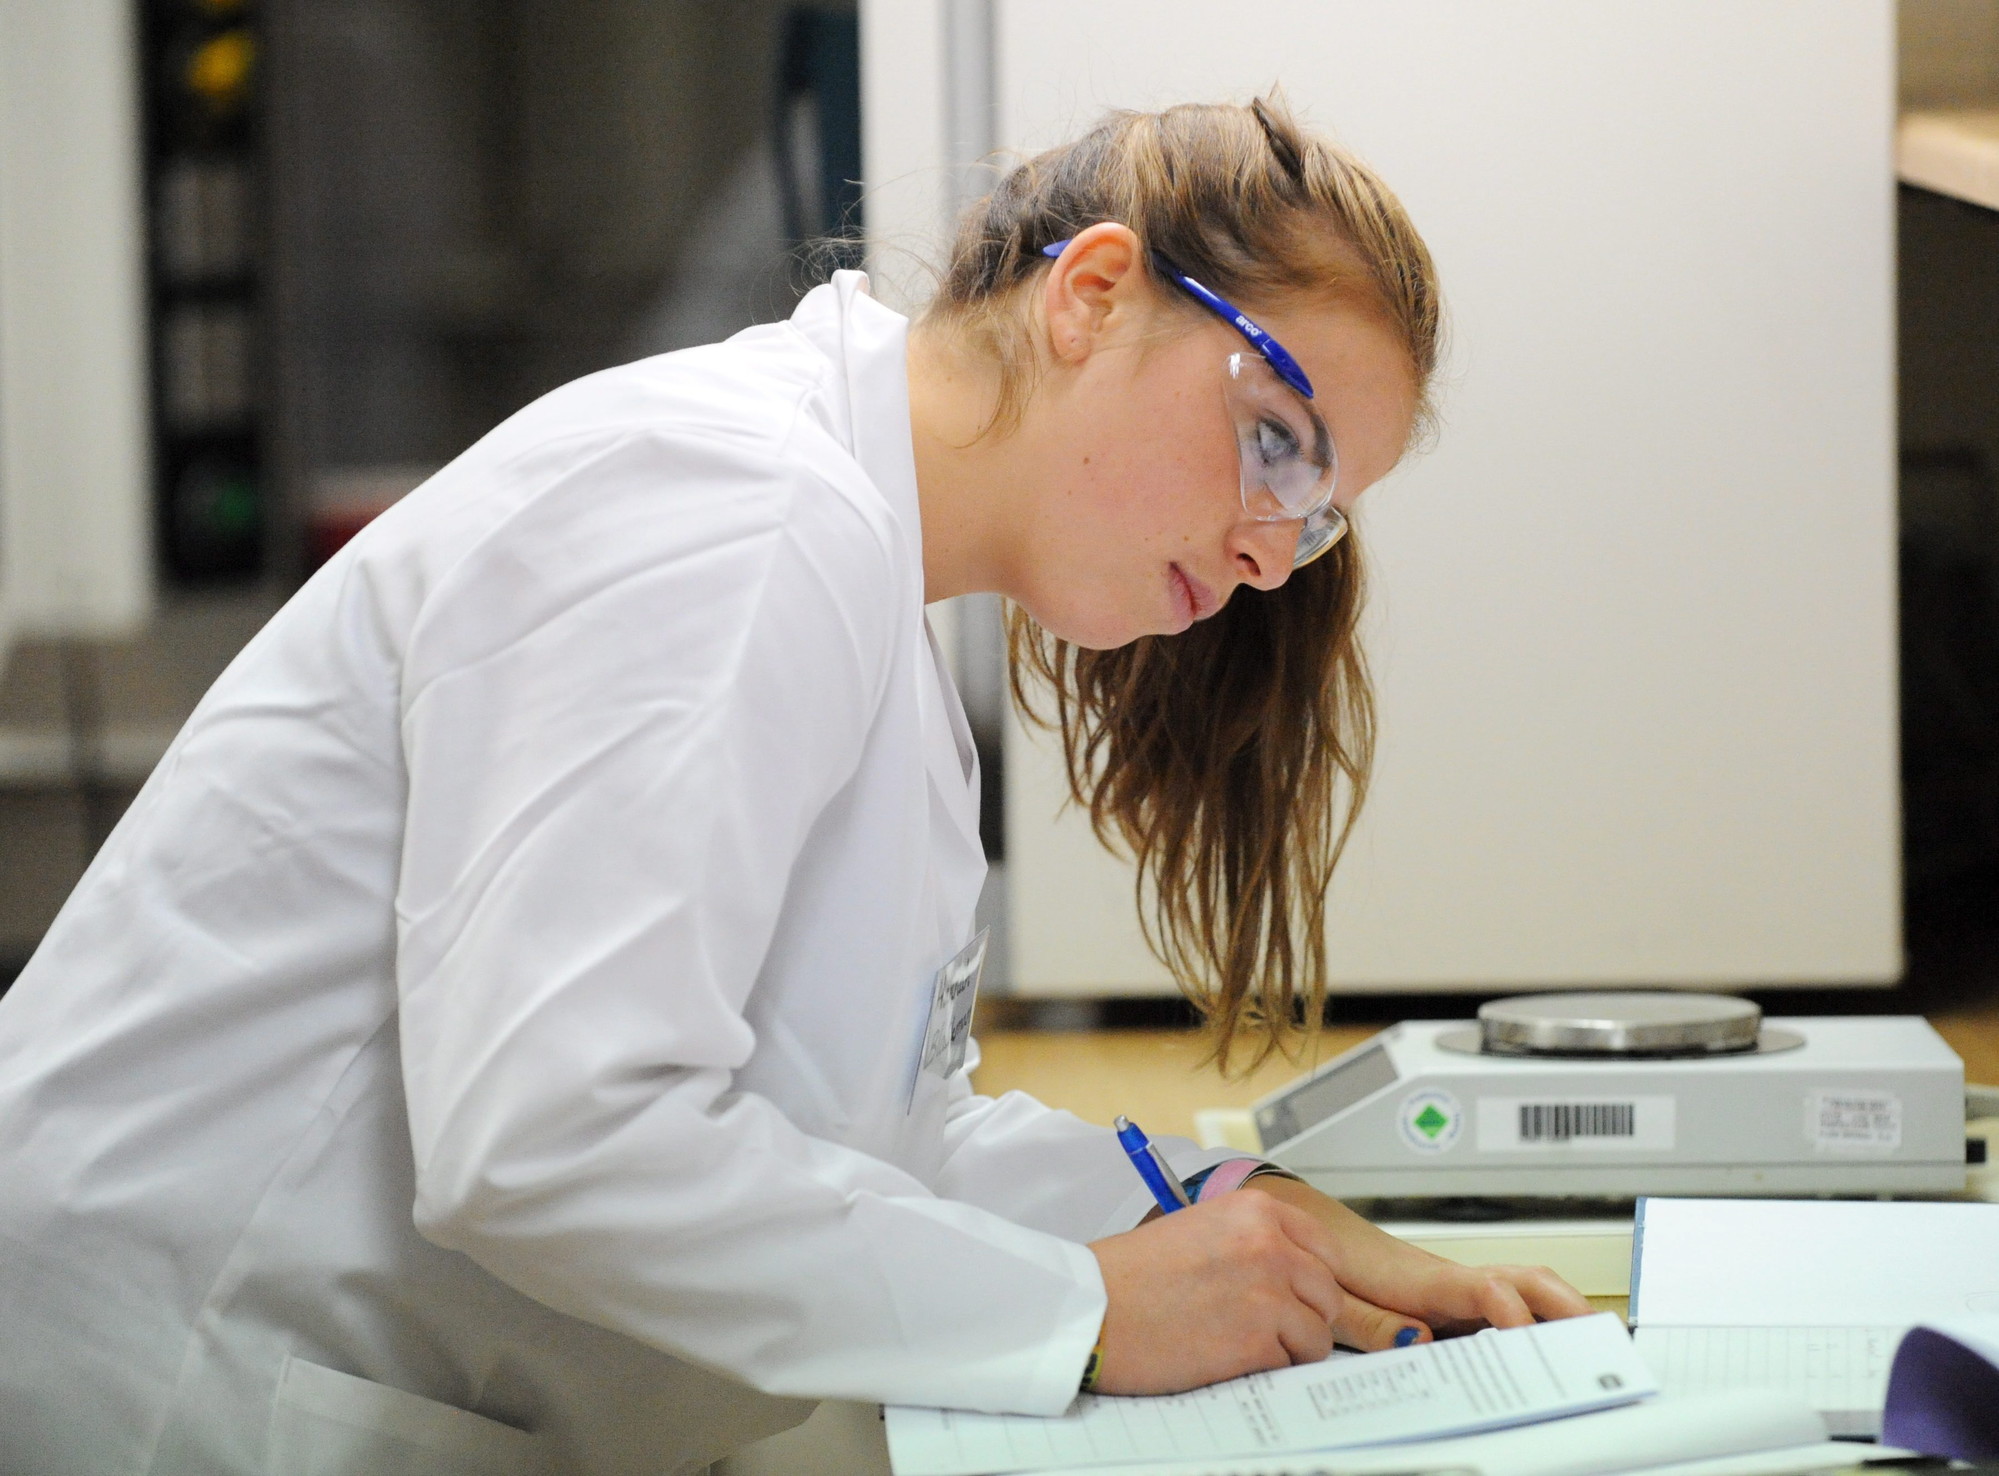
[[1455, 1387], [1808, 1296], [1840, 1371], [1735, 1434]]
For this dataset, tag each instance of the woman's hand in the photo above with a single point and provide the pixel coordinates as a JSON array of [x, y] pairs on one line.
[[1442, 1295], [1235, 1286]]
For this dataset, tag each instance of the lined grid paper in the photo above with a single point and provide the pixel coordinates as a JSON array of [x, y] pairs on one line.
[[1841, 1371]]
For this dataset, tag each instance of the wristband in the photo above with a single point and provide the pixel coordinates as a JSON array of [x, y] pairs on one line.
[[1272, 1171], [1230, 1175], [1093, 1368]]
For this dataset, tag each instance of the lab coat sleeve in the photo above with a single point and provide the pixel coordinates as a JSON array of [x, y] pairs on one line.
[[1042, 1167], [623, 711]]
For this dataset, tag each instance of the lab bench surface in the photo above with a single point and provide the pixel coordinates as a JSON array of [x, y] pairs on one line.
[[1160, 1078]]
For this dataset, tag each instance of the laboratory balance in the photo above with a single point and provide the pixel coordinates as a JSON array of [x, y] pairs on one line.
[[1613, 1095]]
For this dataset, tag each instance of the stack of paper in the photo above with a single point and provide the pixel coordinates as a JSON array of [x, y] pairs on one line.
[[1484, 1382], [1715, 1435], [1529, 1402], [1806, 1296]]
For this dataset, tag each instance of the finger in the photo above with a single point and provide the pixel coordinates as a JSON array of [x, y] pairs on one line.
[[1307, 1233], [1306, 1336], [1313, 1283], [1547, 1294], [1363, 1325], [1500, 1304]]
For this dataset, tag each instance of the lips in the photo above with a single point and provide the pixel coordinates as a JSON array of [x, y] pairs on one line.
[[1194, 599]]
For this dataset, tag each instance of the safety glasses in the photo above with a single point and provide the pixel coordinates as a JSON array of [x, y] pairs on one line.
[[1289, 465]]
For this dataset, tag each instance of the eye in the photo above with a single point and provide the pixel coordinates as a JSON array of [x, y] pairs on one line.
[[1275, 442]]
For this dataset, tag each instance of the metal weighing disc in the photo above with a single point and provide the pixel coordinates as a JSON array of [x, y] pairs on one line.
[[1618, 1024]]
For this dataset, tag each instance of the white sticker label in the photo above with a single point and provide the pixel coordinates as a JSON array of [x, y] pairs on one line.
[[1576, 1124], [1836, 1120], [1431, 1120]]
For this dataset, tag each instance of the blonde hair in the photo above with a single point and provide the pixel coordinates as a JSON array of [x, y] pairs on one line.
[[1231, 761]]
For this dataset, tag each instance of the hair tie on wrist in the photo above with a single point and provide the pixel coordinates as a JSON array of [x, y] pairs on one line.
[[1227, 1176]]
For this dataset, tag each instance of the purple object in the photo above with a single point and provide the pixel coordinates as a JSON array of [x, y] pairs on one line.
[[1943, 1391]]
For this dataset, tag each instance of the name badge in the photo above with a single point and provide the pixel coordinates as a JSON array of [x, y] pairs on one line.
[[948, 1028]]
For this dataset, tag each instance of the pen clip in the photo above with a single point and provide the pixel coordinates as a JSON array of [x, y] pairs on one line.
[[1165, 1172]]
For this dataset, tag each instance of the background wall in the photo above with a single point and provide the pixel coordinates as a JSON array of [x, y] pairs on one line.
[[1634, 616], [75, 507]]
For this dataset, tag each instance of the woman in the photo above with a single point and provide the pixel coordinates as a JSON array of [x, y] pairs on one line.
[[495, 1038]]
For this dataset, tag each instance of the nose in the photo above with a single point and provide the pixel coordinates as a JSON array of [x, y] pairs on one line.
[[1262, 552]]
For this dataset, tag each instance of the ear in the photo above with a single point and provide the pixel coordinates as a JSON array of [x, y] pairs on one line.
[[1095, 283]]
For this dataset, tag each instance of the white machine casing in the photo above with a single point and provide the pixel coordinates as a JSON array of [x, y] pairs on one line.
[[1867, 1105]]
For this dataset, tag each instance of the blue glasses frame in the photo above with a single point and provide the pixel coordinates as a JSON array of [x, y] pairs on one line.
[[1324, 527], [1274, 353]]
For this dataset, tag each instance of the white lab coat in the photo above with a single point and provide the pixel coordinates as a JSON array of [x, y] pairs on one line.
[[496, 1013]]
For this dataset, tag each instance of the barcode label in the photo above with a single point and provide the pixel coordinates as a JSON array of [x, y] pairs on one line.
[[1522, 1124], [1561, 1121]]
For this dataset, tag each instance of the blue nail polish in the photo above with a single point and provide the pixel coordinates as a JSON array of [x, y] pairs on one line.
[[1407, 1336]]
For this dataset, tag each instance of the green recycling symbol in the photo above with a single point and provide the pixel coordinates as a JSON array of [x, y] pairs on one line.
[[1430, 1120]]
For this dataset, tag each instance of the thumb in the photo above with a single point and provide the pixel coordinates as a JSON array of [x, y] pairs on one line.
[[1370, 1328]]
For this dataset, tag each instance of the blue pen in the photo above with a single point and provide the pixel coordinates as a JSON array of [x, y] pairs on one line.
[[1161, 1180]]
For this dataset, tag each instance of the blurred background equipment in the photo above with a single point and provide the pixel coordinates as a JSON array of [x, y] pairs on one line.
[[267, 264], [476, 201], [204, 66]]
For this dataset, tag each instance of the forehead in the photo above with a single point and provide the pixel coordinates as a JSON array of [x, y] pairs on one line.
[[1362, 382]]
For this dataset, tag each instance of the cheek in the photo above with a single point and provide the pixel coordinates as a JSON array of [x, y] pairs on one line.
[[1165, 473]]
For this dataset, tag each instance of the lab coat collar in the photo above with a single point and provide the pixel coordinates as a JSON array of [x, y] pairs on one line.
[[869, 343]]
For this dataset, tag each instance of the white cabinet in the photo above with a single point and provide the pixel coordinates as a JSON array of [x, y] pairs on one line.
[[1634, 615]]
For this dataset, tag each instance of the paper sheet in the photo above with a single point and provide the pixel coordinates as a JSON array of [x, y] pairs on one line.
[[1459, 1386], [1812, 1263], [1840, 1371], [1715, 1435], [1809, 1296]]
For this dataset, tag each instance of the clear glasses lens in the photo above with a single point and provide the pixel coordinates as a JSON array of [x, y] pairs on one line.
[[1289, 466], [1321, 531]]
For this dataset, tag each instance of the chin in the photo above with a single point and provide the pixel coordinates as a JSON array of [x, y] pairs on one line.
[[1092, 630]]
